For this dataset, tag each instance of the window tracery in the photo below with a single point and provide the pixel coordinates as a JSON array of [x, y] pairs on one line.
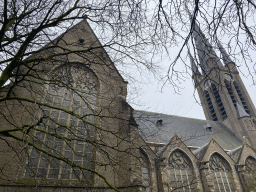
[[73, 88], [221, 173], [181, 172]]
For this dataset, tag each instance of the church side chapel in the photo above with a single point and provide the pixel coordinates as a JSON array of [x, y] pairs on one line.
[[72, 129]]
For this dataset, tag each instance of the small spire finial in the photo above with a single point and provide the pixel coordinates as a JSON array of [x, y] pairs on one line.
[[225, 56], [194, 68]]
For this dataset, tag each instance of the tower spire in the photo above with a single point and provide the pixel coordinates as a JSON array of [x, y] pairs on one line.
[[225, 56], [204, 49], [194, 68]]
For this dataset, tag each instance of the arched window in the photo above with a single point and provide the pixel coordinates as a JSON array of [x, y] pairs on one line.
[[210, 105], [241, 96], [230, 91], [250, 164], [221, 174], [248, 175], [145, 171], [181, 172], [219, 102], [73, 87]]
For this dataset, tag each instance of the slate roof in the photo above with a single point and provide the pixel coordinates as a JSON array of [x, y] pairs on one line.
[[240, 111], [235, 153], [194, 132]]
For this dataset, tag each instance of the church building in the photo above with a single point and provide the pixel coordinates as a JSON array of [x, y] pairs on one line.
[[67, 127]]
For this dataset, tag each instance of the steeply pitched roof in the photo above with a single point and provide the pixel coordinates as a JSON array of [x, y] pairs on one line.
[[83, 31], [235, 153], [199, 153], [160, 128]]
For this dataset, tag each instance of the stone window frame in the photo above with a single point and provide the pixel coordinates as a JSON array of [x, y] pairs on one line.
[[248, 165], [217, 168], [145, 170], [179, 173], [48, 163]]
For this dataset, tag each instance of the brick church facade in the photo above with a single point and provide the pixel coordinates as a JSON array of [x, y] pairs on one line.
[[72, 129]]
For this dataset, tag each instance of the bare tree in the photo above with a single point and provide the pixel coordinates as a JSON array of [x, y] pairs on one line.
[[55, 117], [50, 117]]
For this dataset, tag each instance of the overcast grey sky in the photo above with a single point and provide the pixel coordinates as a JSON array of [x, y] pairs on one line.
[[183, 104], [152, 96]]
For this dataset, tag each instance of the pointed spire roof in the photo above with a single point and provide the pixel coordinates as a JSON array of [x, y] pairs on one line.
[[194, 68], [225, 56], [241, 112], [204, 49]]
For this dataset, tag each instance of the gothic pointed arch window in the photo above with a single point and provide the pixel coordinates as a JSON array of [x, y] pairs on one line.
[[181, 172], [219, 102], [67, 125], [250, 164], [210, 105], [145, 170], [241, 97], [248, 178], [221, 174]]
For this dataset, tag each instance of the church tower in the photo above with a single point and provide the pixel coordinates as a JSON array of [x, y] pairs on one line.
[[222, 93]]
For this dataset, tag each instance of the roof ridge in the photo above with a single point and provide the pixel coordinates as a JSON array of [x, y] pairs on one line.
[[174, 115]]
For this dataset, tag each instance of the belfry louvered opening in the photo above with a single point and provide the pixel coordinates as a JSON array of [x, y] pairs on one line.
[[67, 126], [241, 96], [219, 102], [230, 91], [210, 106]]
